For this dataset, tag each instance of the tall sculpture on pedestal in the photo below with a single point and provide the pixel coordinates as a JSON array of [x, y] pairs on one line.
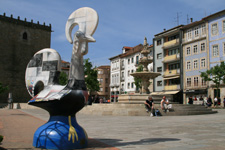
[[62, 102], [145, 75]]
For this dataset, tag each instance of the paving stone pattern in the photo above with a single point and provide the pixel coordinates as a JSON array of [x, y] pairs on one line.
[[195, 132]]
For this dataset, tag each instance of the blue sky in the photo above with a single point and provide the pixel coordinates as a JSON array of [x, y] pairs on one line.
[[121, 22]]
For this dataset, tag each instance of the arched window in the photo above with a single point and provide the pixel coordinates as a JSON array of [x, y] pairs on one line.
[[25, 35]]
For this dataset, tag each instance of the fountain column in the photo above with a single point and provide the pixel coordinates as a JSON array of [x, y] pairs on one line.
[[145, 75]]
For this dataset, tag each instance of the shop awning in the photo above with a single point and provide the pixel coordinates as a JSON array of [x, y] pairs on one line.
[[166, 78], [171, 92], [164, 93]]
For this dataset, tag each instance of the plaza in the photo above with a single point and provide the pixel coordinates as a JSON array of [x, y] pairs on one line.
[[171, 66], [194, 132]]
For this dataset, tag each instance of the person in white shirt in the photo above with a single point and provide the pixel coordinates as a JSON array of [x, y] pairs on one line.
[[215, 102], [164, 104]]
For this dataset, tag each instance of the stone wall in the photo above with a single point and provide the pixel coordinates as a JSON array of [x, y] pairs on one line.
[[19, 41]]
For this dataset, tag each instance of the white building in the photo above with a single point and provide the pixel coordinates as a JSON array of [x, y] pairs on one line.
[[122, 66], [129, 62], [115, 77]]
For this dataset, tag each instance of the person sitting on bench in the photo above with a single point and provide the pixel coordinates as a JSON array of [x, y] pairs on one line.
[[165, 104], [149, 105]]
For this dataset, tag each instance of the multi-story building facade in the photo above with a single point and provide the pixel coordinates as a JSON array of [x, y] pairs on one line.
[[195, 59], [129, 61], [104, 80], [20, 40], [115, 77], [216, 46], [167, 57]]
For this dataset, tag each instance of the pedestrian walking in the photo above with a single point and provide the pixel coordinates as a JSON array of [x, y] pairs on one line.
[[190, 100], [215, 102], [209, 101]]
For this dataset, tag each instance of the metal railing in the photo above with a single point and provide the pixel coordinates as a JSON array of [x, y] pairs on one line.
[[186, 39]]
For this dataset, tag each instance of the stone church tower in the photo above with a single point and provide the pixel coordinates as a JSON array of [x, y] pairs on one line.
[[19, 41]]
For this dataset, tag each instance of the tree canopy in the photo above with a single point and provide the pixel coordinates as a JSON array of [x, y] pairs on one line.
[[63, 78], [215, 74], [91, 75]]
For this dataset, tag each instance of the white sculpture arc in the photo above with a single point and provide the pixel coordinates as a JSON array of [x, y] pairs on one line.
[[43, 69], [87, 20]]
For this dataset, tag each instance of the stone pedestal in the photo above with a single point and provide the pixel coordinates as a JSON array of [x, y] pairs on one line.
[[132, 99], [54, 134]]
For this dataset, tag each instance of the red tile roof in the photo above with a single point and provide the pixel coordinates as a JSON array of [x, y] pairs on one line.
[[130, 51], [64, 61], [103, 67]]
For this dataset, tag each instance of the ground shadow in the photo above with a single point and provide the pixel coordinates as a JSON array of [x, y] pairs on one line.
[[105, 143], [110, 143], [1, 148]]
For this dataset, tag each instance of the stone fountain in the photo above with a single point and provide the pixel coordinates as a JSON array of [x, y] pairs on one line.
[[145, 77]]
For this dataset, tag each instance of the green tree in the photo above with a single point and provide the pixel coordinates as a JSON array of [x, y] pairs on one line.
[[215, 74], [91, 75], [63, 78], [137, 81]]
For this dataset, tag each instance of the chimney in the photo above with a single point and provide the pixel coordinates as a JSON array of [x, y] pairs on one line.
[[164, 29], [191, 20]]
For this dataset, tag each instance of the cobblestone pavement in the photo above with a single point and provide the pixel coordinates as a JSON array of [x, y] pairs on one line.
[[18, 129], [199, 132]]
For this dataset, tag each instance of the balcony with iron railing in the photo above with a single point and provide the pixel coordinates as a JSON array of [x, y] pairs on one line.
[[171, 43], [193, 38], [196, 86], [171, 58], [114, 84], [172, 87], [115, 68], [170, 73], [122, 67]]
